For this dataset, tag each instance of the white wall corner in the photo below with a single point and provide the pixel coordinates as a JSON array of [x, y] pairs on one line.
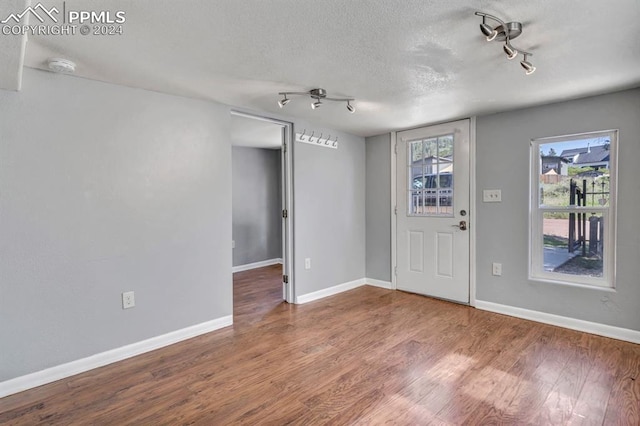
[[320, 294], [378, 283], [72, 368], [12, 47], [392, 155], [619, 333]]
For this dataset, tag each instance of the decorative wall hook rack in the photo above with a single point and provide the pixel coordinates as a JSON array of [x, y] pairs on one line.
[[317, 140]]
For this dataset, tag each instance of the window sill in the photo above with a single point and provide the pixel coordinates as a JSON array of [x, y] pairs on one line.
[[572, 284]]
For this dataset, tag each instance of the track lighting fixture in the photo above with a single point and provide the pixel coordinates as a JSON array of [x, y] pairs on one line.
[[506, 31], [527, 65], [318, 95]]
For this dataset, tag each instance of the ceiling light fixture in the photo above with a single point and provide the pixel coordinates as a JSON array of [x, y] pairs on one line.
[[318, 95], [63, 66], [506, 31]]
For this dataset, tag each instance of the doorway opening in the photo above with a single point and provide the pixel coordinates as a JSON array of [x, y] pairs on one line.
[[262, 199]]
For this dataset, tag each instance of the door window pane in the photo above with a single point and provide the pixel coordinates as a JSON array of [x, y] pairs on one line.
[[430, 177]]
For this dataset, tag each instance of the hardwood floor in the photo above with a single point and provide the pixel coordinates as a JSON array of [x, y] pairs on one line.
[[367, 356]]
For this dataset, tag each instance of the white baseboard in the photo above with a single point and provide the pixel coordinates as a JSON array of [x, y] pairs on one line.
[[310, 297], [72, 368], [619, 333], [379, 283], [255, 265]]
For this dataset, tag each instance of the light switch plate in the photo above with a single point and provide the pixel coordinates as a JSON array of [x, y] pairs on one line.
[[492, 196], [496, 269]]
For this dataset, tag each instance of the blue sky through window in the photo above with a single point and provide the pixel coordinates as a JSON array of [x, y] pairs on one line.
[[558, 147]]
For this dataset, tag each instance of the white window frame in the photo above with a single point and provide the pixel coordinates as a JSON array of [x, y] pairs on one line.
[[536, 212]]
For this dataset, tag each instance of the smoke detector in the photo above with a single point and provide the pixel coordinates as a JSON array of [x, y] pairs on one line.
[[63, 66]]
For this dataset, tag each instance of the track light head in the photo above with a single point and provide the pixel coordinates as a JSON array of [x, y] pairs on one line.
[[350, 107], [492, 36], [283, 102], [486, 29], [509, 50], [528, 66], [316, 104]]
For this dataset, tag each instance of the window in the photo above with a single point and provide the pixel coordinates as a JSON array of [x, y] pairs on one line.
[[430, 166], [572, 218]]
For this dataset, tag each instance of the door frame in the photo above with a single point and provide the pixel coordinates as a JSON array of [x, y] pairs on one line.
[[288, 288], [472, 206]]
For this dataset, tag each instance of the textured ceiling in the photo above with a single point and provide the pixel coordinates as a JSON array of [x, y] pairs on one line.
[[406, 62]]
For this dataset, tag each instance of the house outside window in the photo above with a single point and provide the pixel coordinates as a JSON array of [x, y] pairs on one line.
[[572, 214]]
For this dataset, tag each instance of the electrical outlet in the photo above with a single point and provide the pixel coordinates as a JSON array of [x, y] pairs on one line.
[[233, 244], [492, 196], [128, 300], [307, 263], [497, 269]]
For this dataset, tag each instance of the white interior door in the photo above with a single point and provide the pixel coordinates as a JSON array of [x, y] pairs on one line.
[[432, 195]]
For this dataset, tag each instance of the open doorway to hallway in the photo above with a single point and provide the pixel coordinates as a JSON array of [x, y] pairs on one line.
[[256, 293], [261, 197]]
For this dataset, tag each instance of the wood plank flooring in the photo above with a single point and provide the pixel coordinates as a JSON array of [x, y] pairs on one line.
[[365, 357]]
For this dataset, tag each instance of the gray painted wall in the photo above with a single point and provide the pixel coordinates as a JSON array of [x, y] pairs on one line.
[[502, 232], [378, 207], [257, 205], [329, 203], [105, 189]]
